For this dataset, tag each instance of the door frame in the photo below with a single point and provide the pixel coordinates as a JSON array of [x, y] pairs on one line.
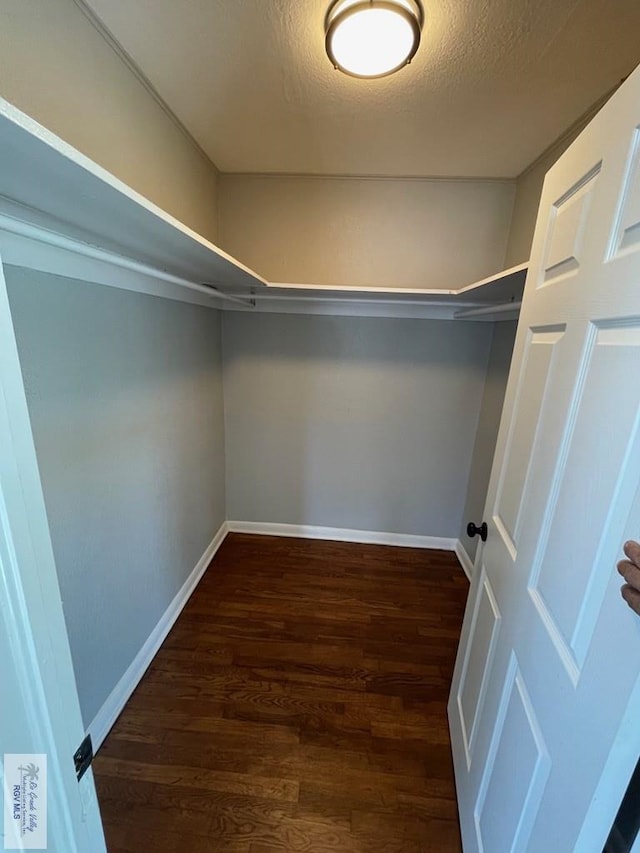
[[36, 653], [621, 762]]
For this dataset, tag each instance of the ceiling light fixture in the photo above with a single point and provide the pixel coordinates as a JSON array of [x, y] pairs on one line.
[[373, 38]]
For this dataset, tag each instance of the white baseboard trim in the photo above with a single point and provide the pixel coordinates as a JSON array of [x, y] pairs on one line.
[[121, 693], [339, 534], [465, 560]]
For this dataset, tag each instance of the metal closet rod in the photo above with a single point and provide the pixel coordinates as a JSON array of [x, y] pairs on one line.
[[52, 238]]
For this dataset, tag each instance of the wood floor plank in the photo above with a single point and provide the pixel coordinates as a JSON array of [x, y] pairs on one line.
[[298, 704]]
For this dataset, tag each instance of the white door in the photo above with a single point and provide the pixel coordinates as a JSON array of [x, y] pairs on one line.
[[545, 702], [39, 708]]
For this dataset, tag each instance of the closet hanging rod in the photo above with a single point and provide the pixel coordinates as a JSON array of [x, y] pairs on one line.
[[248, 302], [485, 310], [44, 235]]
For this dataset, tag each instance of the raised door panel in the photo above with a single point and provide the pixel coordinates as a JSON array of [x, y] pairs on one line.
[[626, 234], [568, 582], [534, 379], [566, 227], [515, 774], [478, 663]]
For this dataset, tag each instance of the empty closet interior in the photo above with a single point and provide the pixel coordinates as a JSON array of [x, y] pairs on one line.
[[174, 394], [321, 356]]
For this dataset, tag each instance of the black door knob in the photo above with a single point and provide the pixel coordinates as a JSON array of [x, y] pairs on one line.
[[474, 530]]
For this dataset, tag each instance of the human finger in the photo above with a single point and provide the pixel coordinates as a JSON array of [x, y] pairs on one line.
[[630, 572], [632, 597], [632, 550]]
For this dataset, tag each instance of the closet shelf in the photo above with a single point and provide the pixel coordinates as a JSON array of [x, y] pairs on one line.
[[54, 194], [497, 295], [47, 184]]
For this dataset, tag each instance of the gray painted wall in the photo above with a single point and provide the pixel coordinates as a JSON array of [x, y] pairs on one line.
[[351, 422], [488, 425], [125, 398], [366, 231], [57, 68]]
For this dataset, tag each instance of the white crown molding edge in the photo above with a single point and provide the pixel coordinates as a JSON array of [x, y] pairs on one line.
[[101, 28]]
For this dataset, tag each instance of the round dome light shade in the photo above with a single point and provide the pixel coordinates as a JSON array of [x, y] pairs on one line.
[[372, 38]]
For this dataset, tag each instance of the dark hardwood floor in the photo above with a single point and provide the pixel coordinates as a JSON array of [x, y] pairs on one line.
[[299, 704]]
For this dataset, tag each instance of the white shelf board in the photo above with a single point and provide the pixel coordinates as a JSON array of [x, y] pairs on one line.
[[51, 190], [501, 287], [380, 296], [504, 286], [499, 294], [356, 290], [47, 183]]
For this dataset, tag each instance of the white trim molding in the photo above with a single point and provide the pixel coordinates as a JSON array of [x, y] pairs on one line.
[[465, 560], [37, 669], [102, 723], [340, 534]]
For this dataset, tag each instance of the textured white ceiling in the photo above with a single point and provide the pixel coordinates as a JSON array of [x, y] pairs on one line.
[[493, 84]]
